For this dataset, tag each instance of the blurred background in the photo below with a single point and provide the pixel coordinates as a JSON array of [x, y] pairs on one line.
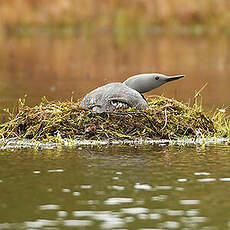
[[54, 48]]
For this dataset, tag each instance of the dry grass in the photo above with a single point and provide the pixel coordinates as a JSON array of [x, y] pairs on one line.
[[115, 15], [163, 119]]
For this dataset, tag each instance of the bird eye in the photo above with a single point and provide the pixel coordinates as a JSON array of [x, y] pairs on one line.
[[157, 78]]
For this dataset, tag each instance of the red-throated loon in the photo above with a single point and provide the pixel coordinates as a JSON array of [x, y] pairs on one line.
[[126, 94]]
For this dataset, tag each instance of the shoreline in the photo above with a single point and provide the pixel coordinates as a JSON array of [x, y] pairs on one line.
[[14, 143], [138, 32]]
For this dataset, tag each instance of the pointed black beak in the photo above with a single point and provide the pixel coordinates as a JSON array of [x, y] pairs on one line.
[[174, 78]]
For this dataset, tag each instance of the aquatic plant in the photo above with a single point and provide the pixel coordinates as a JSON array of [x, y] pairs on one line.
[[164, 119]]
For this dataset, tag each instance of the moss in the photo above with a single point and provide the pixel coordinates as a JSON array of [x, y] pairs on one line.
[[163, 119]]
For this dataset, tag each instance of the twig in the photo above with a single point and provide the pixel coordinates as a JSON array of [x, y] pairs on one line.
[[166, 120], [153, 126], [200, 90]]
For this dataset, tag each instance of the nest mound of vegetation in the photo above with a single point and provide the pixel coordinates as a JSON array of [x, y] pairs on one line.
[[163, 119]]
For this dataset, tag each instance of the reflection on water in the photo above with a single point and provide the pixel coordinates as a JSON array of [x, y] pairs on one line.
[[150, 187], [56, 67]]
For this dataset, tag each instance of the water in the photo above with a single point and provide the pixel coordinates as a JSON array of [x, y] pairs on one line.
[[151, 187], [155, 186], [55, 67]]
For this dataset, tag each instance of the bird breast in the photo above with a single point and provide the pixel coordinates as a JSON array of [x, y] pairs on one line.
[[113, 96]]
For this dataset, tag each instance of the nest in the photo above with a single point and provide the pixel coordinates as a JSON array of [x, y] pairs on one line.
[[164, 119]]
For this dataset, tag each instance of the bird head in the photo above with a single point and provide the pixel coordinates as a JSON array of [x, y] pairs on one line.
[[148, 81]]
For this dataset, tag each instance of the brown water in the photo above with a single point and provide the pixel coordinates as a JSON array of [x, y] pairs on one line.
[[56, 67], [112, 187]]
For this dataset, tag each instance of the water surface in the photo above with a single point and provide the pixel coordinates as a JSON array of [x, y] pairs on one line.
[[112, 187], [151, 187], [56, 67]]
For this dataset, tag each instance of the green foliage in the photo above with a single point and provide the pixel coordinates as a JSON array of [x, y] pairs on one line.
[[71, 16]]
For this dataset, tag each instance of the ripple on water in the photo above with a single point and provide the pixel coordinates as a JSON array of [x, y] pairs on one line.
[[77, 223], [189, 202], [113, 223], [202, 173], [163, 187], [110, 219], [143, 216], [182, 180], [193, 221], [139, 202], [206, 179], [5, 225], [225, 179], [76, 193], [40, 223], [179, 189], [55, 170], [118, 200], [171, 225], [116, 187], [192, 212], [199, 219], [66, 190], [33, 224], [175, 212], [97, 215], [49, 207], [155, 216], [151, 229], [93, 202], [83, 213], [143, 187], [135, 210], [160, 198], [86, 186], [129, 219], [62, 214]]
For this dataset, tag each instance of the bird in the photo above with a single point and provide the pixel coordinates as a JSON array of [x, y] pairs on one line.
[[125, 94]]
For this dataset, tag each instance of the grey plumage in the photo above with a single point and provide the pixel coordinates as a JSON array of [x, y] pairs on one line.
[[127, 94], [112, 96], [146, 82]]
